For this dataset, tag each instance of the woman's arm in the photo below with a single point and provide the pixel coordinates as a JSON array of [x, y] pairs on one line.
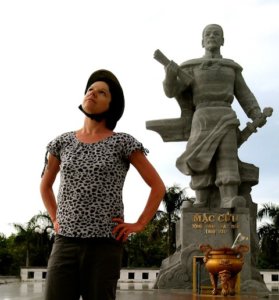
[[157, 192], [48, 178]]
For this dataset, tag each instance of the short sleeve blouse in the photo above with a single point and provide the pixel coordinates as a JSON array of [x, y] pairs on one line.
[[91, 182]]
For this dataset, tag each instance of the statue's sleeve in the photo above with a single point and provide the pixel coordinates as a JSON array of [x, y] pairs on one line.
[[245, 97]]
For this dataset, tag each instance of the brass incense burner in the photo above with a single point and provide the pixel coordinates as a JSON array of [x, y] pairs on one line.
[[225, 264]]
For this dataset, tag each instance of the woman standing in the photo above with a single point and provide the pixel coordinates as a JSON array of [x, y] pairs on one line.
[[88, 214]]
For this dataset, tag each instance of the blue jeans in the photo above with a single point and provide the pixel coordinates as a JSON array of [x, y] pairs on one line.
[[83, 267]]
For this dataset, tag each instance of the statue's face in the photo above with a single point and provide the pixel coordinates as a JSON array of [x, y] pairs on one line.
[[212, 37]]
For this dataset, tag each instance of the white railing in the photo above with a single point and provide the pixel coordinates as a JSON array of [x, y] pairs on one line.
[[140, 278], [135, 275], [271, 279]]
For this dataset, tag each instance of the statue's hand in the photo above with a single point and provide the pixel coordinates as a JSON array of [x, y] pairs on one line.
[[171, 70], [267, 112], [262, 120], [259, 117], [255, 114]]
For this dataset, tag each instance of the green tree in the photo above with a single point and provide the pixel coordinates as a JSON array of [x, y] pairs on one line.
[[150, 247], [6, 258], [157, 241], [23, 240], [30, 245], [172, 201], [34, 240], [269, 237], [45, 237]]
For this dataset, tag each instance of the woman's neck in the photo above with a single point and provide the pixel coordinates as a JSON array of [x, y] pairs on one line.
[[93, 131]]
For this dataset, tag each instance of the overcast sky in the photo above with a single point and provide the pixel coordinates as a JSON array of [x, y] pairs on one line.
[[49, 49]]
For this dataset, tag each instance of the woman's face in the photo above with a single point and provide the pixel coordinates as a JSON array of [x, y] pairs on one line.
[[97, 98]]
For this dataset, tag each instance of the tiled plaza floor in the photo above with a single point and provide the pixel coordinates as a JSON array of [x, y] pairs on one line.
[[182, 295], [34, 291]]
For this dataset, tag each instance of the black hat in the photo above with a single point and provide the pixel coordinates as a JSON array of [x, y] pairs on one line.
[[117, 104]]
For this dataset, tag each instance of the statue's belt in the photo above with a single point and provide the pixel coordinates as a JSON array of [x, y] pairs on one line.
[[213, 104]]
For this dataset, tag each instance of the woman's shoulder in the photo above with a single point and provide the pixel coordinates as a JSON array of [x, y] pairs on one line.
[[130, 143], [124, 136], [63, 137]]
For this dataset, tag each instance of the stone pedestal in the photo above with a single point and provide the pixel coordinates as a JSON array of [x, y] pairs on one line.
[[218, 228]]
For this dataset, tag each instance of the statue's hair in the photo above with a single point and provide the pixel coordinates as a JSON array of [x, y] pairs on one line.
[[221, 29]]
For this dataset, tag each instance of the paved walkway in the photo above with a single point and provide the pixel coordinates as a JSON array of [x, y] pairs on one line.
[[34, 291], [182, 295]]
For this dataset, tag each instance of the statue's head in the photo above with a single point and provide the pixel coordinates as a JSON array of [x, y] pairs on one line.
[[212, 37]]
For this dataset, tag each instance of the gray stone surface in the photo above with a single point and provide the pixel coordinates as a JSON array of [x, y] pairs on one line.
[[216, 227], [204, 89]]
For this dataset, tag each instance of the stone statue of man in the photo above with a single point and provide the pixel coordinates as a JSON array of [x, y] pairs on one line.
[[211, 156]]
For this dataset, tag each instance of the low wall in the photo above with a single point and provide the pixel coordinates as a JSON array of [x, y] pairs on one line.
[[271, 279], [9, 279], [130, 275], [33, 273], [139, 277]]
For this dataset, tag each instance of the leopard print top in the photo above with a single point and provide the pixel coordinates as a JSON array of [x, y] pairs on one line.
[[91, 182]]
